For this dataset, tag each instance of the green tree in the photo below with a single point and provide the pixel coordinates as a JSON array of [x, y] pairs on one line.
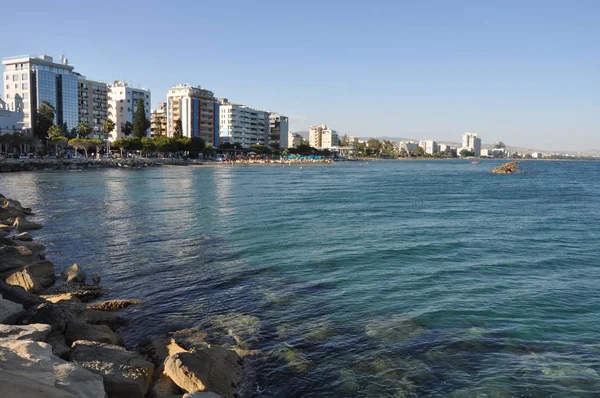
[[44, 120], [140, 122], [148, 145], [55, 135], [108, 126], [466, 153], [127, 129], [98, 143], [419, 151], [178, 128], [83, 130], [119, 143]]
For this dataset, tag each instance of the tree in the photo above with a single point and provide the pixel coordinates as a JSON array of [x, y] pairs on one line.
[[466, 153], [83, 130], [55, 135], [140, 122], [148, 145], [127, 129], [178, 128], [97, 143], [419, 151], [44, 120], [80, 143], [119, 143], [108, 126]]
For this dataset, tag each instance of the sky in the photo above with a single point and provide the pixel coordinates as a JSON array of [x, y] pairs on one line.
[[525, 72]]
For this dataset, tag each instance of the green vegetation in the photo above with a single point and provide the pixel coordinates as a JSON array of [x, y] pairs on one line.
[[466, 153], [140, 123], [108, 126], [83, 130], [127, 129], [44, 120], [178, 128], [162, 144]]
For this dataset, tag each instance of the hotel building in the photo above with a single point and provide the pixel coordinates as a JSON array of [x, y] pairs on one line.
[[198, 110], [93, 104], [122, 103], [158, 120], [471, 142], [322, 137], [239, 124]]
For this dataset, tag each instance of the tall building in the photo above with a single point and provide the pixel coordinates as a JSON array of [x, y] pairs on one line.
[[429, 146], [322, 137], [294, 140], [10, 121], [279, 127], [29, 80], [240, 124], [93, 104], [471, 142], [158, 120], [198, 110], [122, 103], [408, 146]]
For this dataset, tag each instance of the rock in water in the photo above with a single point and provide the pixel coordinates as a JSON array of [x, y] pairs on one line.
[[74, 274], [9, 310], [96, 279], [113, 305], [34, 277], [24, 236], [506, 168], [125, 373], [77, 330], [22, 224], [209, 369]]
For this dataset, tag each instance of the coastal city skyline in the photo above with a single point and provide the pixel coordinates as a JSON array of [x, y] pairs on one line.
[[416, 83]]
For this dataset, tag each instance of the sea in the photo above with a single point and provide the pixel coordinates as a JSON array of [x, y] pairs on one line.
[[357, 279]]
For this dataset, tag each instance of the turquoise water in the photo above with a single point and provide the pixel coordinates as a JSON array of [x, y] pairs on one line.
[[386, 279]]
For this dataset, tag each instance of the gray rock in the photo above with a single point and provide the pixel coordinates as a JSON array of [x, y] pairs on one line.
[[22, 224], [84, 293], [9, 310], [55, 315], [19, 295], [78, 381], [114, 305], [95, 317], [35, 332], [24, 236], [74, 274], [34, 277], [202, 395], [35, 247], [25, 387], [125, 373], [96, 279], [59, 345], [209, 369], [77, 330], [14, 258]]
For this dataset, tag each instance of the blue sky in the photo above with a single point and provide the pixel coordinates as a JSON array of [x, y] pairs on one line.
[[527, 72]]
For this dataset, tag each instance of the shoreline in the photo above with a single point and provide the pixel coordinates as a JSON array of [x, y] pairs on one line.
[[58, 338]]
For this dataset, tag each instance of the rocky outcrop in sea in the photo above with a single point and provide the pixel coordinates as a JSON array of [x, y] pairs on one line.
[[58, 338], [506, 168]]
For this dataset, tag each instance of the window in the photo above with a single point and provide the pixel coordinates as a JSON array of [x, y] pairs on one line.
[[7, 86], [25, 76], [15, 78], [6, 77], [25, 86]]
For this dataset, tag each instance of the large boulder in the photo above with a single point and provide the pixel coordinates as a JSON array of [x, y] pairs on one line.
[[34, 277], [126, 374], [59, 344], [35, 361], [14, 258], [94, 317], [35, 332], [55, 315], [35, 247], [23, 236], [84, 293], [213, 369], [201, 395], [77, 330], [113, 305], [19, 295], [25, 387], [9, 310], [22, 224], [74, 274]]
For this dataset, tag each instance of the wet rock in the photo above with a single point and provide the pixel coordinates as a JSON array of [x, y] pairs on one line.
[[23, 236], [34, 277], [35, 247], [94, 317], [190, 339], [55, 315], [293, 357], [209, 369], [74, 274], [85, 293], [244, 328], [22, 224], [19, 295], [394, 328], [77, 330], [113, 305], [125, 373], [35, 332], [9, 310], [96, 279], [202, 395]]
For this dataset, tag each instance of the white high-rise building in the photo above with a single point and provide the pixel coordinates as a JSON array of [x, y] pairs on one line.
[[122, 103], [322, 137], [429, 146], [294, 140], [471, 142], [408, 146], [239, 124], [198, 110], [279, 127], [28, 81]]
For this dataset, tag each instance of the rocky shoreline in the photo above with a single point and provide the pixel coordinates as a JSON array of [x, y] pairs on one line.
[[59, 339], [14, 165]]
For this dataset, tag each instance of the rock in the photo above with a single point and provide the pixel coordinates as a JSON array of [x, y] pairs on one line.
[[22, 224], [244, 328], [77, 330], [209, 369], [24, 236], [35, 332], [34, 277], [9, 310], [506, 168], [64, 298], [59, 345], [5, 227], [95, 317], [19, 295], [96, 279], [74, 274], [4, 232], [156, 351], [34, 247], [125, 373], [6, 213], [113, 305], [78, 381], [84, 293], [13, 258], [55, 315], [202, 395], [25, 387]]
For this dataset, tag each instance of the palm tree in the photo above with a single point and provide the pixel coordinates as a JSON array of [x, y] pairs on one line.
[[83, 129], [55, 135]]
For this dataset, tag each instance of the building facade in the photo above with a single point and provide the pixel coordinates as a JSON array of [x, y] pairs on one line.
[[198, 110], [158, 120], [429, 146], [28, 81], [408, 146], [322, 137], [294, 140], [239, 124], [10, 121], [122, 104], [93, 104], [471, 142], [279, 127]]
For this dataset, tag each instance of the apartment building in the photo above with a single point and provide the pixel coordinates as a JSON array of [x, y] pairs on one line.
[[28, 81], [279, 127], [429, 146], [294, 140], [408, 146], [322, 137], [93, 104], [198, 110], [122, 104], [471, 142], [10, 121], [158, 120], [239, 124]]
